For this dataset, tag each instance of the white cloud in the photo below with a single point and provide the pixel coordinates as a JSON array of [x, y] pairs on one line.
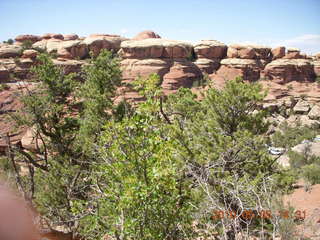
[[308, 43]]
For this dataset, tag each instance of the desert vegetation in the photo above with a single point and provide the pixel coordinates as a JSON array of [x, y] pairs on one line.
[[156, 170]]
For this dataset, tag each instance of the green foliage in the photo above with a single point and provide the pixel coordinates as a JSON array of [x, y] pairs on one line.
[[306, 165], [27, 44], [291, 136], [9, 41], [220, 141], [202, 82], [148, 87], [318, 79], [232, 109], [102, 76], [67, 118], [145, 172], [145, 194]]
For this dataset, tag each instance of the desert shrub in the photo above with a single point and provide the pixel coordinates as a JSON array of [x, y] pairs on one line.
[[67, 118], [306, 165], [311, 173], [145, 172], [9, 41], [291, 136], [27, 44], [202, 82]]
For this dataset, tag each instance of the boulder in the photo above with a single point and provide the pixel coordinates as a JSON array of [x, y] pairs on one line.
[[284, 161], [145, 35], [210, 49], [30, 140], [4, 74], [63, 53], [293, 53], [31, 38], [69, 66], [10, 51], [206, 65], [287, 70], [262, 52], [97, 42], [182, 74], [53, 36], [68, 37], [76, 48], [156, 48], [40, 44], [306, 121], [302, 107], [53, 45], [314, 113], [316, 67], [241, 51], [248, 69], [29, 53], [312, 147], [278, 52], [133, 68]]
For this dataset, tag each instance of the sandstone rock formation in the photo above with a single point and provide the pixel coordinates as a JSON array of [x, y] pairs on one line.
[[31, 38], [248, 69], [29, 53], [287, 70], [182, 74], [97, 42], [133, 68], [278, 52], [241, 51], [155, 48], [209, 53], [179, 64], [53, 36], [293, 53], [316, 67], [145, 35], [9, 51], [68, 37]]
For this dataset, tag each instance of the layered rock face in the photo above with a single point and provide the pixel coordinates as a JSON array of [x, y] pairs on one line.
[[245, 61], [155, 48], [178, 63], [209, 54], [167, 58], [145, 35], [287, 70]]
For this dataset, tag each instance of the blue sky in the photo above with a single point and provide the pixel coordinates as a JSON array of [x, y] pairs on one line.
[[293, 23]]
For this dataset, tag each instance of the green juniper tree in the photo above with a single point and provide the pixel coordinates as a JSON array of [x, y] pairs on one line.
[[66, 117]]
